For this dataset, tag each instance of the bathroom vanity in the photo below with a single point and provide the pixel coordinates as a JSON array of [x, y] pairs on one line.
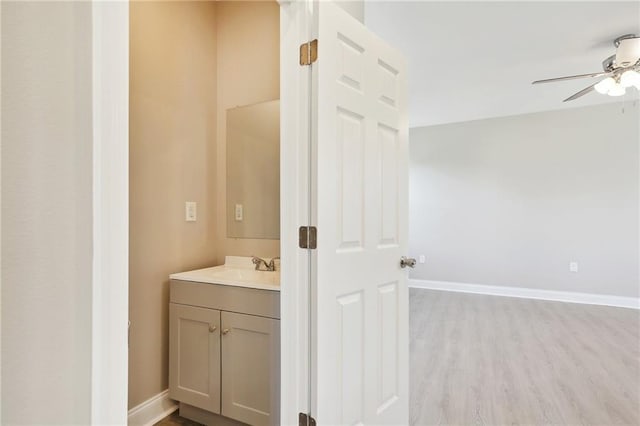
[[224, 344], [224, 322]]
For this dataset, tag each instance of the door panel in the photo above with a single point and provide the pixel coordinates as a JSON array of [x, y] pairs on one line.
[[389, 181], [194, 356], [251, 369], [388, 346], [360, 311], [351, 367], [350, 163]]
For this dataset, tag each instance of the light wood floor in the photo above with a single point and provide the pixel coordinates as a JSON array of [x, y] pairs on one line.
[[488, 360]]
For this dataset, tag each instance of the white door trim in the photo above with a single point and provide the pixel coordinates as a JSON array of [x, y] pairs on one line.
[[294, 211], [110, 295]]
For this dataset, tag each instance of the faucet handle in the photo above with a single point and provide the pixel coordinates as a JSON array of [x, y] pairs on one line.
[[272, 263]]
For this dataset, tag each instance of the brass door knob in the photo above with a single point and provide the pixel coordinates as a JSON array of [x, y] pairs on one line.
[[225, 331], [212, 328]]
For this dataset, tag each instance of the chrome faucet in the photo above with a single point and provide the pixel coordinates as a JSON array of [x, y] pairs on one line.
[[271, 266], [272, 263], [258, 261]]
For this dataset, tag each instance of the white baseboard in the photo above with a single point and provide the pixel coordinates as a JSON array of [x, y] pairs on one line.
[[529, 293], [152, 410]]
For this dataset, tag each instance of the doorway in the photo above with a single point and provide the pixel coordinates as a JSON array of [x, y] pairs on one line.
[[197, 68]]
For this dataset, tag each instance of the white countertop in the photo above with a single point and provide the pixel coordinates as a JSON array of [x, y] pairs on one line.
[[237, 271]]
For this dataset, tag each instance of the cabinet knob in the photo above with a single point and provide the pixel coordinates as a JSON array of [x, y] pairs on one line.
[[212, 328], [225, 331]]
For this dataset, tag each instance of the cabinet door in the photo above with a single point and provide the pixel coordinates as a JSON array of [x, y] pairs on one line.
[[194, 356], [251, 369]]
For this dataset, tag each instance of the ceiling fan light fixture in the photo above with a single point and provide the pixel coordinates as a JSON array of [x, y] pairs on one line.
[[605, 85], [617, 90], [628, 50], [621, 70], [630, 78]]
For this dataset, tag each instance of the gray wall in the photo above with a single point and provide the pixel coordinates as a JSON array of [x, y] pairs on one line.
[[46, 212], [511, 201]]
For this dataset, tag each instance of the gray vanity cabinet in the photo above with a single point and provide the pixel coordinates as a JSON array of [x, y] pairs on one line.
[[194, 354], [250, 368], [224, 356]]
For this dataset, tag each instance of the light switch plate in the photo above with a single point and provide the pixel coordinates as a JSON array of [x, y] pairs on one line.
[[239, 213], [190, 211]]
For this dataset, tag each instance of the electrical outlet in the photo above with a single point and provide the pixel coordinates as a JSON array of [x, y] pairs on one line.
[[239, 212], [422, 258], [573, 266], [190, 213]]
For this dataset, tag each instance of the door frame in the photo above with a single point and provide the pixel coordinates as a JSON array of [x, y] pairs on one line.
[[295, 29], [110, 269], [110, 281]]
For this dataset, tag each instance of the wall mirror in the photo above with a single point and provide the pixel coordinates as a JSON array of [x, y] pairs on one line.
[[253, 171]]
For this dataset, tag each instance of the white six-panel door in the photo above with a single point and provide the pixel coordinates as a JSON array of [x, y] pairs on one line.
[[360, 317]]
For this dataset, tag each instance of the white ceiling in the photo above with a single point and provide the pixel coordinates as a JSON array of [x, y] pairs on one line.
[[473, 60]]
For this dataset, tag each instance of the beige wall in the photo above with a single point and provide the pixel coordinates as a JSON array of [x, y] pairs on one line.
[[190, 61], [248, 72], [172, 160], [511, 201], [46, 212]]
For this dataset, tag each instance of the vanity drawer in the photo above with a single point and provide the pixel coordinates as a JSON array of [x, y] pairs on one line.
[[244, 300]]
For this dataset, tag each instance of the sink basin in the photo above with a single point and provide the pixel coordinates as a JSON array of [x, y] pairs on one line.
[[230, 274], [237, 271]]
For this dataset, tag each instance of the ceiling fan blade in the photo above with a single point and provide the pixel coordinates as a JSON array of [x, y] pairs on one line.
[[580, 93], [572, 77]]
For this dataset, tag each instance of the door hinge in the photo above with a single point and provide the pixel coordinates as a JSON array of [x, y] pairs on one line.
[[308, 237], [309, 52], [306, 420]]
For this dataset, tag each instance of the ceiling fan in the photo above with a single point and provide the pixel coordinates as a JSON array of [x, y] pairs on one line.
[[621, 70]]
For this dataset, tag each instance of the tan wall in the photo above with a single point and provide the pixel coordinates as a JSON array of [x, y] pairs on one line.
[[46, 212], [179, 95], [248, 72], [173, 159]]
